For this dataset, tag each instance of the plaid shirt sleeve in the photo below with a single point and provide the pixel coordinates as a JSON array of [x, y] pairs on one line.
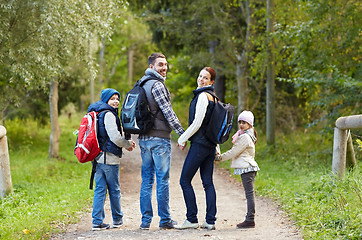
[[162, 98]]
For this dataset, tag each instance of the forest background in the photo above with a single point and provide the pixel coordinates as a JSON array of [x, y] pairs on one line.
[[295, 63]]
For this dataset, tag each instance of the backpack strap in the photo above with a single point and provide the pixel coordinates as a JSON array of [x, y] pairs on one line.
[[94, 162], [104, 152], [94, 167], [143, 83], [213, 94]]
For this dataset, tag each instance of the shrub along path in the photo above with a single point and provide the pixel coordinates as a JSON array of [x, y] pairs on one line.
[[271, 222]]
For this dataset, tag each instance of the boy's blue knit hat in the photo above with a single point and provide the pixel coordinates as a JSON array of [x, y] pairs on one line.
[[108, 93]]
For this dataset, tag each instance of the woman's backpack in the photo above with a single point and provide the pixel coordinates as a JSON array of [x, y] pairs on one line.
[[221, 121]]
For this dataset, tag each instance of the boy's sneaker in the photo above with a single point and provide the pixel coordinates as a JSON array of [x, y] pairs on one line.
[[187, 225], [170, 225], [145, 226], [101, 226], [208, 226], [246, 224], [117, 225]]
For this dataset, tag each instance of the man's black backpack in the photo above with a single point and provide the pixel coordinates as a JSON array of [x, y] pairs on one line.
[[221, 121], [136, 114]]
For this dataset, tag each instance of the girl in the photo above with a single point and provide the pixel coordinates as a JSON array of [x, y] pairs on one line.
[[242, 159], [201, 154], [107, 169]]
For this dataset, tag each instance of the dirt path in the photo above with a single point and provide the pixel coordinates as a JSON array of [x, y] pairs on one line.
[[231, 209]]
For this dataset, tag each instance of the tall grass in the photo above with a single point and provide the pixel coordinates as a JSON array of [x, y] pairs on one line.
[[48, 193], [297, 173]]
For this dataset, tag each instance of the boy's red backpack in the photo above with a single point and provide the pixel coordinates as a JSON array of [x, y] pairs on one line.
[[87, 146]]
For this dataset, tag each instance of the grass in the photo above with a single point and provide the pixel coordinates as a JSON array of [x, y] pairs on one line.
[[48, 193], [297, 173]]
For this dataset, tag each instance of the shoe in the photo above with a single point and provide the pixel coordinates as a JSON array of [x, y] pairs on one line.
[[170, 225], [100, 227], [117, 225], [246, 224], [187, 225], [145, 226], [207, 226]]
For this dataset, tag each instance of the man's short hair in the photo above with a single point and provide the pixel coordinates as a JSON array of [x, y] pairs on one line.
[[152, 58]]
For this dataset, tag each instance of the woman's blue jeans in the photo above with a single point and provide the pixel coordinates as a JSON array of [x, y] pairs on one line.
[[106, 178], [156, 160], [199, 156]]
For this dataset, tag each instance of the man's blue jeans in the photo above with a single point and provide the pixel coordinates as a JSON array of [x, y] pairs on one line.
[[156, 159], [106, 177], [199, 156]]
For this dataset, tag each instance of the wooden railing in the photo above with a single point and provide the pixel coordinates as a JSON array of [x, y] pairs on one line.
[[5, 176], [342, 143]]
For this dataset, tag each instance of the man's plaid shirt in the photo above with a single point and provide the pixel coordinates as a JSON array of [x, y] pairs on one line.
[[162, 97]]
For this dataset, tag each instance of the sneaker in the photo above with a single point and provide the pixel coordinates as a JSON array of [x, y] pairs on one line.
[[145, 226], [170, 225], [100, 227], [187, 225], [117, 225], [246, 224], [207, 226]]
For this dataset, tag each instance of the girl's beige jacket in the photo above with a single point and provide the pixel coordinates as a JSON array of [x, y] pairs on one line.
[[242, 153]]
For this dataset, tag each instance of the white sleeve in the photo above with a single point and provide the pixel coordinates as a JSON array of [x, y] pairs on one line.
[[201, 107], [113, 133]]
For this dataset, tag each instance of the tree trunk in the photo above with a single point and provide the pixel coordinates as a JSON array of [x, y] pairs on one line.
[[91, 80], [270, 86], [130, 65], [220, 78], [101, 63], [242, 61], [220, 86], [55, 129], [242, 82]]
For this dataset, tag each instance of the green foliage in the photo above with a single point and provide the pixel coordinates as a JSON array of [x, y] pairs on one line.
[[297, 173], [131, 39], [40, 205], [45, 40], [323, 56]]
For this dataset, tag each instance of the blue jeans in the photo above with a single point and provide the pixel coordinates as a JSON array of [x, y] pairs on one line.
[[106, 177], [156, 159], [202, 157]]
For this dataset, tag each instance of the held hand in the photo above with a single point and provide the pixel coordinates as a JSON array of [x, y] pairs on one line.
[[217, 157], [181, 147], [129, 149], [133, 144]]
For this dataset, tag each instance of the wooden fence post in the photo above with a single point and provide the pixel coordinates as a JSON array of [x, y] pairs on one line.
[[339, 152], [5, 176], [350, 157], [341, 141]]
